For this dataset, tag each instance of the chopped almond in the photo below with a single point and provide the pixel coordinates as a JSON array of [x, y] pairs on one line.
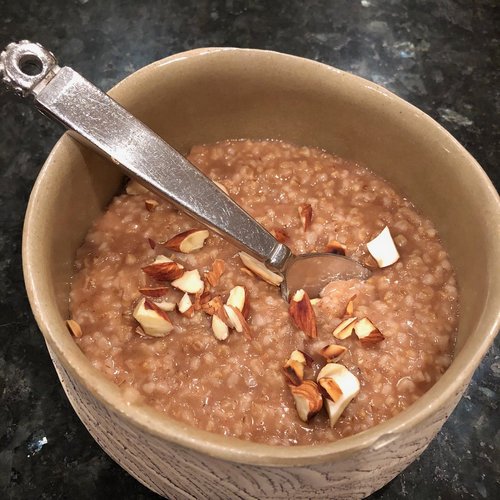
[[305, 214], [74, 328], [134, 188], [349, 308], [238, 297], [188, 241], [331, 388], [222, 187], [212, 306], [247, 272], [260, 269], [383, 249], [154, 322], [185, 306], [152, 243], [341, 386], [219, 328], [334, 246], [294, 367], [280, 234], [308, 400], [217, 271], [345, 328], [302, 313], [164, 269], [333, 352], [315, 301], [151, 205], [367, 332], [189, 282], [154, 291], [237, 321], [199, 299]]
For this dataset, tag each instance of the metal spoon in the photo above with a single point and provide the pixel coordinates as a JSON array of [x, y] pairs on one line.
[[31, 71]]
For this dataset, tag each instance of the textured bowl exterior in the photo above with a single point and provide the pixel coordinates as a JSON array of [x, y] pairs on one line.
[[212, 94], [179, 473]]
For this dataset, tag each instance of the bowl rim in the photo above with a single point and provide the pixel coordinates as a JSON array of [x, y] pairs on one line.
[[165, 428]]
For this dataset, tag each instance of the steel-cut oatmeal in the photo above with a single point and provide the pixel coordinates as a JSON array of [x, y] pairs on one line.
[[245, 367]]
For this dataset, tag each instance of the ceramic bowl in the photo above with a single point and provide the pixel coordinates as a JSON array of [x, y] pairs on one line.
[[207, 95]]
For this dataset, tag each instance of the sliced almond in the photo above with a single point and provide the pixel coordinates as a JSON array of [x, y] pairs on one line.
[[280, 234], [154, 291], [238, 297], [340, 393], [219, 328], [247, 272], [349, 308], [151, 205], [307, 398], [222, 187], [188, 241], [345, 328], [367, 332], [305, 214], [154, 322], [213, 305], [213, 276], [237, 321], [302, 313], [383, 249], [134, 188], [334, 246], [332, 352], [164, 269], [185, 306], [190, 282], [260, 269], [74, 328], [166, 305]]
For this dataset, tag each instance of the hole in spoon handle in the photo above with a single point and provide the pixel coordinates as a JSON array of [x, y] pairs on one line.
[[26, 67]]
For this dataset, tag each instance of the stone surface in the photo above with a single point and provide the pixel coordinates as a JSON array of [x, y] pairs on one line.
[[441, 56]]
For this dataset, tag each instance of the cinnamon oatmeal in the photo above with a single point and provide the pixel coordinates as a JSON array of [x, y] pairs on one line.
[[236, 386]]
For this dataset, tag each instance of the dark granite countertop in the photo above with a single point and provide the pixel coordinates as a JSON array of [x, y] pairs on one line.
[[442, 56]]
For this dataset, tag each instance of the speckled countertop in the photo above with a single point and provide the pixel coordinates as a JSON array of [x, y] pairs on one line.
[[442, 56]]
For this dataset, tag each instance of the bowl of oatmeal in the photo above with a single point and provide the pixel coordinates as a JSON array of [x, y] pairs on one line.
[[181, 357]]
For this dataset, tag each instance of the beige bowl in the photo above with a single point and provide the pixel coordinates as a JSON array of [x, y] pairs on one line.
[[211, 94]]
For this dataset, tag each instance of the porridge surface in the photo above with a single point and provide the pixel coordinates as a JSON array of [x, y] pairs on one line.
[[236, 387]]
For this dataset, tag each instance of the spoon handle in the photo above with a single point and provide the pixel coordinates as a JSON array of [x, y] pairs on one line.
[[99, 121]]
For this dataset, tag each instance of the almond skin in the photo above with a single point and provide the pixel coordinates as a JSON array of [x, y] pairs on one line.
[[345, 328], [307, 398], [333, 352], [280, 234], [154, 291], [305, 214], [151, 205], [212, 306], [302, 314], [217, 271], [187, 241], [349, 308], [334, 246], [367, 332], [331, 388], [74, 328], [163, 269]]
